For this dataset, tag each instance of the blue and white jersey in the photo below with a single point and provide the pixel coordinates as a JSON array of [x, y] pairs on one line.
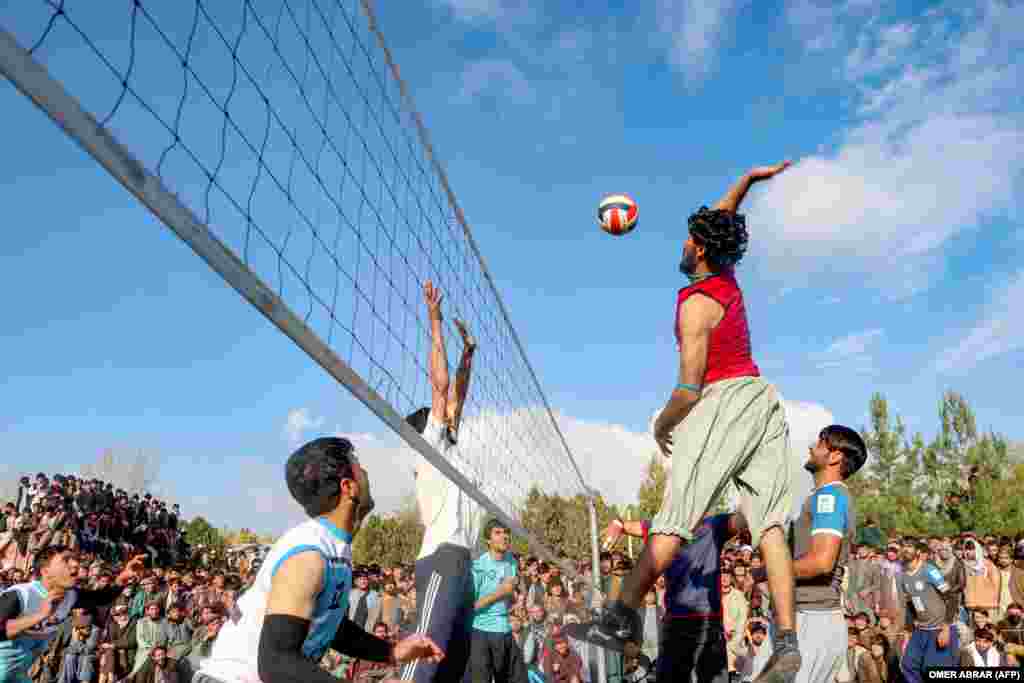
[[16, 656], [235, 652], [829, 510]]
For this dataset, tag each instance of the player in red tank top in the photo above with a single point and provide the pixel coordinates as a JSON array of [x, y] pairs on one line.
[[717, 417]]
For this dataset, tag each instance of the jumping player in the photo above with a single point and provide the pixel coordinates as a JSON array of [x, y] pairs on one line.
[[444, 580], [722, 423], [692, 633], [31, 614], [297, 607], [822, 536]]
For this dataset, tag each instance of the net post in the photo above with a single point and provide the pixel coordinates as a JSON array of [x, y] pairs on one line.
[[595, 582]]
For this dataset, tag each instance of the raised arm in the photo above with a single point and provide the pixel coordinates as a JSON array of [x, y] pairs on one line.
[[734, 197], [462, 375], [438, 358]]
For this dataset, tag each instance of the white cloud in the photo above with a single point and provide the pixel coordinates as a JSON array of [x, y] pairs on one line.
[[934, 151], [298, 423], [850, 353], [694, 31], [492, 80], [1000, 331]]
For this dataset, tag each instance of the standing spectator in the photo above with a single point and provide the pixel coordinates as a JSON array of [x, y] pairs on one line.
[[982, 587], [883, 655], [735, 611], [754, 652], [563, 665], [956, 578], [890, 602], [147, 594], [864, 585], [358, 607], [494, 654], [390, 608], [980, 653], [651, 615], [859, 662], [533, 642], [1004, 562], [363, 670]]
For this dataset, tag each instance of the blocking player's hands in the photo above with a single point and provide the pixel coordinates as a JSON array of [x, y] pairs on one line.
[[417, 646], [467, 338], [766, 172], [432, 295]]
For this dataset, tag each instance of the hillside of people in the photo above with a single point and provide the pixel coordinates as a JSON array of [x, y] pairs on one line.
[[950, 500]]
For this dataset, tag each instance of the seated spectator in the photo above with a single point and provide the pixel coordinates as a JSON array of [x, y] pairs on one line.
[[150, 632], [1011, 629], [179, 634], [79, 662], [117, 655], [158, 668], [364, 670], [981, 652], [562, 665], [754, 651], [886, 662]]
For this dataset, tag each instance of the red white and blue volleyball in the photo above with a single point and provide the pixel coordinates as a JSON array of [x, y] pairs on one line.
[[617, 214]]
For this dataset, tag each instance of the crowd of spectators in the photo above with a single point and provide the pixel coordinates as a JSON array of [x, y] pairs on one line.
[[165, 621]]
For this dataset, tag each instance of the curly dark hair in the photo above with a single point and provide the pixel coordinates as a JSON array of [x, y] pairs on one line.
[[723, 234]]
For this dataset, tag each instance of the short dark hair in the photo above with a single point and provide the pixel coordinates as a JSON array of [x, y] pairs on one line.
[[848, 442], [314, 473], [492, 524], [44, 556]]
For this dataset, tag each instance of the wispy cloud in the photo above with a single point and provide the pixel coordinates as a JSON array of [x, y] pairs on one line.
[[935, 148], [473, 10], [298, 423], [1000, 331], [694, 31], [489, 81], [853, 352]]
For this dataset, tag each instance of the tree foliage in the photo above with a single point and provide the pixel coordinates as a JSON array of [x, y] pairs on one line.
[[652, 489], [200, 532], [962, 479], [389, 540], [561, 523]]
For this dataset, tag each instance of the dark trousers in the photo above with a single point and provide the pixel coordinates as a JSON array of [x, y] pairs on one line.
[[444, 613], [923, 652], [692, 647], [496, 658]]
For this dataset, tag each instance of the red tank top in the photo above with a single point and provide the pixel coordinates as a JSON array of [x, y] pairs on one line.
[[729, 347]]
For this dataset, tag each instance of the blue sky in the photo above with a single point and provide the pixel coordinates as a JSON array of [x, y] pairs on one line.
[[887, 259]]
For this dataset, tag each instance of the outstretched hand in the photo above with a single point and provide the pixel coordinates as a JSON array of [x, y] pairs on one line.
[[417, 647], [467, 338], [432, 295], [766, 172]]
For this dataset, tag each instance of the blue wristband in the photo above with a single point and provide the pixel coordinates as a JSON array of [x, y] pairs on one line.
[[688, 387]]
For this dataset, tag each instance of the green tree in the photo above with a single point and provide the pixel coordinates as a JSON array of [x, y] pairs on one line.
[[391, 539], [200, 532], [652, 489], [562, 524]]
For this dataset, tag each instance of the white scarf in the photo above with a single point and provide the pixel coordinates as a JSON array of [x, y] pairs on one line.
[[990, 660], [975, 565]]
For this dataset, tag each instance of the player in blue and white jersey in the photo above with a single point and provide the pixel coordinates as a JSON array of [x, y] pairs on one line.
[[934, 641], [297, 608], [822, 537], [32, 613]]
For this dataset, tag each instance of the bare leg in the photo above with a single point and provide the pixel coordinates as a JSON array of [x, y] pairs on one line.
[[779, 565], [661, 549]]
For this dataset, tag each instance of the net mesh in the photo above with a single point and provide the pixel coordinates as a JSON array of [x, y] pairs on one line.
[[283, 125]]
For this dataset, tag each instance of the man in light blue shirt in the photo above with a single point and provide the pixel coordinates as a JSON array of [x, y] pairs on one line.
[[494, 654]]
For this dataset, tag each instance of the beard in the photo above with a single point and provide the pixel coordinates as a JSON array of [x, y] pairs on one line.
[[811, 466], [688, 264]]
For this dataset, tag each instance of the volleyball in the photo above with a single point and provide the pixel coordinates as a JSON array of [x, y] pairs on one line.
[[617, 214]]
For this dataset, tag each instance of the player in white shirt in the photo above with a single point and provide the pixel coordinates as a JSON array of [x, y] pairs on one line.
[[444, 584], [297, 607]]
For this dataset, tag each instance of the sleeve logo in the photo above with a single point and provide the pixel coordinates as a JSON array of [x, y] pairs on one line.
[[826, 504]]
